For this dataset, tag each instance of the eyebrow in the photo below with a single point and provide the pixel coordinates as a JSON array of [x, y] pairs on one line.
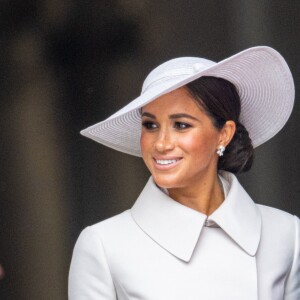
[[146, 114], [172, 117], [182, 115]]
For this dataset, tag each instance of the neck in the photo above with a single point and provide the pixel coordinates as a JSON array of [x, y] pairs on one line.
[[204, 197]]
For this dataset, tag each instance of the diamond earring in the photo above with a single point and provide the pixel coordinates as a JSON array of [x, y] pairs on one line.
[[221, 150]]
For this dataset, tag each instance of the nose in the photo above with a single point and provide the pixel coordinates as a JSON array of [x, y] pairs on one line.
[[165, 141]]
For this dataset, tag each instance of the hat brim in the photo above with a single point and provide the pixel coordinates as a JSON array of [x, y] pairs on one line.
[[261, 76]]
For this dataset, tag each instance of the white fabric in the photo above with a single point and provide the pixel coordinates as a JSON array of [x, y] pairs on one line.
[[260, 74], [161, 250]]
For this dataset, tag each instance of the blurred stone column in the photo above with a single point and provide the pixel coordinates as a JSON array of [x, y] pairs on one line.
[[39, 172]]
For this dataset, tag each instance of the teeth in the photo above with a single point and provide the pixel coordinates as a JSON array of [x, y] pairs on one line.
[[166, 161]]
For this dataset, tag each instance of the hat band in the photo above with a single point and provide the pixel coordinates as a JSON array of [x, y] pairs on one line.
[[164, 81]]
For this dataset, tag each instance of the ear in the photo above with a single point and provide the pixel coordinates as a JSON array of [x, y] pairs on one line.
[[227, 133]]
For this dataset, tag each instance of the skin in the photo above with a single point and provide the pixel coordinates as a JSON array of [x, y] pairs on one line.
[[175, 127]]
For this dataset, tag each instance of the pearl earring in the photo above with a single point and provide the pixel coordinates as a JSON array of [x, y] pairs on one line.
[[221, 150]]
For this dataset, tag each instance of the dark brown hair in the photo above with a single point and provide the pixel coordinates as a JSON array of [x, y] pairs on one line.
[[221, 101]]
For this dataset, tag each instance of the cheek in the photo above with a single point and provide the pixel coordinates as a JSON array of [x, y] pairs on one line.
[[199, 144], [145, 142]]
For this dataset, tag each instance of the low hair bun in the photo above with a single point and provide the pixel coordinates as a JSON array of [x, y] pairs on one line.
[[239, 154]]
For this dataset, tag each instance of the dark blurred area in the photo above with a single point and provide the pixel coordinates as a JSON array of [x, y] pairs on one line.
[[65, 65]]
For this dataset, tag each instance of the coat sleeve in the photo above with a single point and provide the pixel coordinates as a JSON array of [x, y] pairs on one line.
[[292, 288], [89, 276]]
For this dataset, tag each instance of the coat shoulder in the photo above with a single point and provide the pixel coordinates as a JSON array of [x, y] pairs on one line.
[[274, 213], [114, 226], [276, 216], [279, 228], [279, 251], [278, 221], [110, 234]]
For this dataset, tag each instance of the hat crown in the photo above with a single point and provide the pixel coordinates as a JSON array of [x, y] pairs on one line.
[[175, 69]]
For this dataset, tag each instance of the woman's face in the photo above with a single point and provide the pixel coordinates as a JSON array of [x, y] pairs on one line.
[[178, 140]]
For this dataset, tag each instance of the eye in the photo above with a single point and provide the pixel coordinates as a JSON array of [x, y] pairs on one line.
[[181, 125], [149, 125]]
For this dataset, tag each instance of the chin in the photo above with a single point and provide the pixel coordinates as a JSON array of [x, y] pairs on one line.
[[166, 182]]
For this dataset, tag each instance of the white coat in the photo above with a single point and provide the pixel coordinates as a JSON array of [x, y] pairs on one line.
[[162, 250]]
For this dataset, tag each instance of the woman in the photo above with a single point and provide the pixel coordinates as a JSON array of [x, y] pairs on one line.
[[194, 233]]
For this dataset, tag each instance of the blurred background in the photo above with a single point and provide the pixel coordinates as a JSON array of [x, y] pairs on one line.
[[67, 64]]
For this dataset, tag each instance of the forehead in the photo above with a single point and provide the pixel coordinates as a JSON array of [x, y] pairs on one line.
[[179, 99]]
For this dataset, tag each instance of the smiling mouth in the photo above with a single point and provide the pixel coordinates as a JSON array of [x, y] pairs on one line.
[[166, 161]]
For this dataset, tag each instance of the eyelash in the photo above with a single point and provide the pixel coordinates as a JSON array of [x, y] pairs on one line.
[[177, 125], [182, 125], [149, 125]]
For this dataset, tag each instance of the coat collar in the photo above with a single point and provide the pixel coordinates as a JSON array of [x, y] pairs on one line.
[[177, 228]]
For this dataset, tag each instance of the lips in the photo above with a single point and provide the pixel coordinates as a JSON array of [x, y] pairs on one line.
[[166, 163]]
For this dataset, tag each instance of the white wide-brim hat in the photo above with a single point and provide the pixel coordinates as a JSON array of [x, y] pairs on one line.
[[260, 74]]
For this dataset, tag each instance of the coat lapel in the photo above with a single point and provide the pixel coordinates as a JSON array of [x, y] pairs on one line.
[[239, 216], [173, 226], [177, 228]]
